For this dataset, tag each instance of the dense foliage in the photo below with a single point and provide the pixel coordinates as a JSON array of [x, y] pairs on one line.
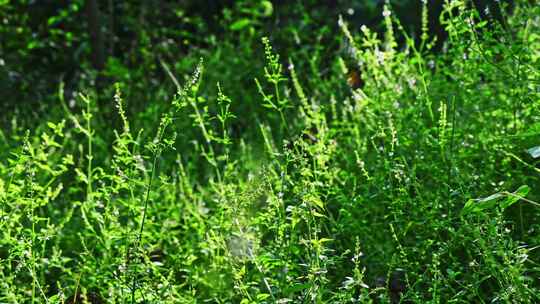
[[270, 152]]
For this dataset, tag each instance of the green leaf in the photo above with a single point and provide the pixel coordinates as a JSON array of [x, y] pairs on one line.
[[263, 296], [314, 201], [512, 198], [476, 205], [297, 287], [240, 24], [266, 8], [32, 45], [52, 20], [54, 299]]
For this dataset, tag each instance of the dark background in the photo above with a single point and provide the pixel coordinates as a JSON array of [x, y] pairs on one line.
[[92, 44]]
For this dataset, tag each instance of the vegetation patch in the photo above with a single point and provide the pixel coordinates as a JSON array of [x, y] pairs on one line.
[[320, 164]]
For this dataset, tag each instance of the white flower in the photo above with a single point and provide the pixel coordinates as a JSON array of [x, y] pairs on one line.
[[411, 82], [380, 56], [139, 162], [340, 22], [348, 282]]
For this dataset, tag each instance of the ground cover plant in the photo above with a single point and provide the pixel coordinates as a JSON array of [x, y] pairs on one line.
[[354, 165]]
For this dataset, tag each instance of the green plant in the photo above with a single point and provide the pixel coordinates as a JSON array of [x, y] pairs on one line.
[[415, 183]]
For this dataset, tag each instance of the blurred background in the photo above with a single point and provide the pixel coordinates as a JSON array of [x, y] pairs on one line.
[[90, 45]]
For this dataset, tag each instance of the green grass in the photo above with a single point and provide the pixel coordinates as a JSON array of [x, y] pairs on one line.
[[418, 186]]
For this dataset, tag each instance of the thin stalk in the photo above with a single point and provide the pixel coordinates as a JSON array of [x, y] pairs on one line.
[[32, 257], [521, 198], [89, 156], [420, 66], [516, 109], [279, 107], [450, 160], [206, 137], [146, 199], [38, 287]]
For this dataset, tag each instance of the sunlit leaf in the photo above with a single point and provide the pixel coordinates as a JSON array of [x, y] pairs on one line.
[[475, 205], [521, 192], [534, 151], [240, 24]]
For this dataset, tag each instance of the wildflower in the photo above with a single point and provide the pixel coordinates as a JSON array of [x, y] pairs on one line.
[[121, 174], [411, 82], [203, 210], [121, 268], [139, 161], [290, 66], [340, 22], [357, 257], [380, 56], [348, 282]]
